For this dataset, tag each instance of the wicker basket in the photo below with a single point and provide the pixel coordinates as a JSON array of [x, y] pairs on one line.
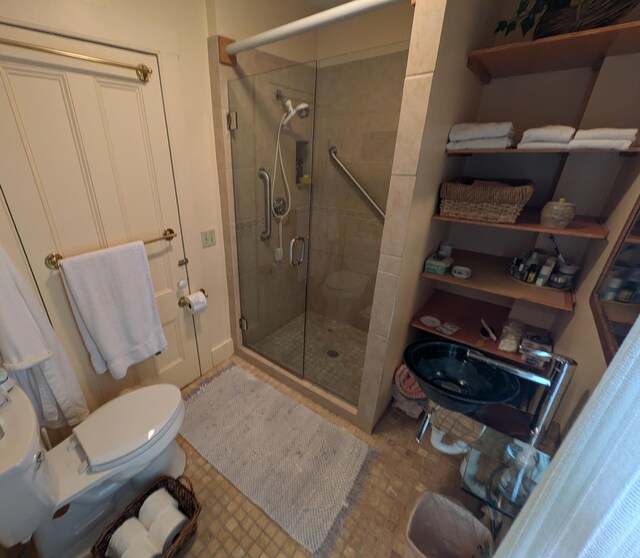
[[587, 15], [182, 490], [493, 201]]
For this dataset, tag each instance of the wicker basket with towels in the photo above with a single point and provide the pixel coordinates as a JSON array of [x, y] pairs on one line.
[[498, 201]]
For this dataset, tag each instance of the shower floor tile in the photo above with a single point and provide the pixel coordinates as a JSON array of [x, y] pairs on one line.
[[333, 353]]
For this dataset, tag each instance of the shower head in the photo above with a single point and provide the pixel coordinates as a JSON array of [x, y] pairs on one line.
[[302, 110]]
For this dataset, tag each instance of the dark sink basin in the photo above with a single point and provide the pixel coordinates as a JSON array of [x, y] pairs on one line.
[[455, 382]]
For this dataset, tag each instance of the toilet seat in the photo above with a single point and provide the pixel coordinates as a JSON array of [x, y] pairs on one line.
[[128, 425]]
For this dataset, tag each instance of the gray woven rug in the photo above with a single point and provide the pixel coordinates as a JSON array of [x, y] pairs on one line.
[[303, 471]]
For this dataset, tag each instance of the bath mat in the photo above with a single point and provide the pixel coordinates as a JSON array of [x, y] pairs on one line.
[[303, 471]]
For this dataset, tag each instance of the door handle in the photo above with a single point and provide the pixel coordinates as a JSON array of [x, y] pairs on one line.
[[292, 243], [266, 181]]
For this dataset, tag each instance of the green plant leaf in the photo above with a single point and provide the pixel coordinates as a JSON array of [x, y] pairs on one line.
[[502, 25], [511, 26], [527, 24], [524, 4]]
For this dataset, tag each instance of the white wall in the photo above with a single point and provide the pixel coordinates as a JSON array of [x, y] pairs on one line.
[[176, 32], [239, 19]]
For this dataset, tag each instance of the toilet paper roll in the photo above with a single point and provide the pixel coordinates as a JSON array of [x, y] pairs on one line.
[[167, 527], [125, 536], [142, 548], [196, 302], [154, 505]]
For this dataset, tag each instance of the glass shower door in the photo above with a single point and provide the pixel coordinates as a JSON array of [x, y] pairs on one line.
[[272, 229]]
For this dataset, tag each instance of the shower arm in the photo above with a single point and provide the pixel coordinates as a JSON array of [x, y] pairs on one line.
[[333, 153], [266, 181]]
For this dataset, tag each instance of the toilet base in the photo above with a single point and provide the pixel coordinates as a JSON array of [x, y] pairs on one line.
[[73, 534]]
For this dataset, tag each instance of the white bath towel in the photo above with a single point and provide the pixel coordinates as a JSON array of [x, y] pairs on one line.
[[480, 130], [542, 145], [628, 134], [551, 133], [31, 352], [618, 145], [489, 143], [111, 296]]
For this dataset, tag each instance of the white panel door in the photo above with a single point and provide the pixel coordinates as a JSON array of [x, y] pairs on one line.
[[85, 164]]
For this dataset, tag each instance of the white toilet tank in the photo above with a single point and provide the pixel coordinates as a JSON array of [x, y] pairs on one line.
[[24, 500]]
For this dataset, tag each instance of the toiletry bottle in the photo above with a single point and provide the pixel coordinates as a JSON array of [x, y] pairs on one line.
[[545, 272], [533, 273], [613, 286]]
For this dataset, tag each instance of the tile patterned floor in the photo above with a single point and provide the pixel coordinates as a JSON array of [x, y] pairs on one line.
[[231, 525], [340, 374]]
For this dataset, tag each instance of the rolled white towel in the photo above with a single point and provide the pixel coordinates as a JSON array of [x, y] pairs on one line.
[[488, 143], [628, 134], [480, 130], [618, 145], [553, 133], [542, 145]]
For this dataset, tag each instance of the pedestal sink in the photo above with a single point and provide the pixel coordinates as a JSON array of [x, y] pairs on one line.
[[454, 381]]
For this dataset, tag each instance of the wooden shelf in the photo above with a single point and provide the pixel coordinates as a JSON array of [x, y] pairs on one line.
[[529, 220], [584, 49], [512, 150], [466, 313], [621, 312], [489, 275]]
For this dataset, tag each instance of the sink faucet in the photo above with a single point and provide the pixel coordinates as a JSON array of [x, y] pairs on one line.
[[559, 365]]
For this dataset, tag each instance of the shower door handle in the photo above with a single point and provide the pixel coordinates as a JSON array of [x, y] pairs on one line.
[[266, 181], [292, 243]]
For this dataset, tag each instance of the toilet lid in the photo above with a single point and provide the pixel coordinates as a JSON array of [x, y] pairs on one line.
[[346, 280], [126, 423]]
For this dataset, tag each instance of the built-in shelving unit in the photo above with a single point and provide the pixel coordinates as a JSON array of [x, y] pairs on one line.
[[583, 49], [633, 150], [466, 313], [621, 312], [490, 275], [529, 220]]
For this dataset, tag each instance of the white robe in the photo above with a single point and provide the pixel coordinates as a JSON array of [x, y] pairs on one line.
[[33, 355]]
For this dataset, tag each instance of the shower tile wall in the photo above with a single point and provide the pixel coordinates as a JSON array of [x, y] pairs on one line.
[[273, 293], [357, 110]]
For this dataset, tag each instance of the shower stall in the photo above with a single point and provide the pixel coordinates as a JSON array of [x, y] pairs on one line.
[[312, 147]]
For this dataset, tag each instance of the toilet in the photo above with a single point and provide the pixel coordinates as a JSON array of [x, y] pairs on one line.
[[67, 495], [342, 290]]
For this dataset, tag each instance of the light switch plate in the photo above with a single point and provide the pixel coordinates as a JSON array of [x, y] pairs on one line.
[[208, 238]]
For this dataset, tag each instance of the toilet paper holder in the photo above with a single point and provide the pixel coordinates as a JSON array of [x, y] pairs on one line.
[[182, 301]]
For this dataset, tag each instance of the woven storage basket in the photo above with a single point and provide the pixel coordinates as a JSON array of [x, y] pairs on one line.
[[182, 490], [588, 14], [496, 202]]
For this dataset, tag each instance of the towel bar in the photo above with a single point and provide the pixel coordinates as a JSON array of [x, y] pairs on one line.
[[52, 261]]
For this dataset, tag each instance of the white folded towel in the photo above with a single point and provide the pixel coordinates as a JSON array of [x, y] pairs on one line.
[[552, 133], [618, 145], [628, 134], [111, 296], [33, 355], [480, 130], [542, 145], [489, 143]]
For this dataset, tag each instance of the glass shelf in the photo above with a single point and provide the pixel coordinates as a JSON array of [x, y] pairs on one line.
[[493, 471]]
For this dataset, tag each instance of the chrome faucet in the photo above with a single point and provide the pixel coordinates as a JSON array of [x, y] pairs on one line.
[[558, 368]]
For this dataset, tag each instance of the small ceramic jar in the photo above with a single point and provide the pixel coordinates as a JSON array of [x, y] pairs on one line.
[[557, 214]]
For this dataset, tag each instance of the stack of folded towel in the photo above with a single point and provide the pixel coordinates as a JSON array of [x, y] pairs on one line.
[[547, 137], [481, 135], [619, 139]]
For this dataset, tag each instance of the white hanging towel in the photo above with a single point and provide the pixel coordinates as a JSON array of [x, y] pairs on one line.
[[111, 296], [31, 352]]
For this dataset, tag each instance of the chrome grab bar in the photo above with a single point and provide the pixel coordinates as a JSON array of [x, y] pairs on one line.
[[333, 153], [292, 243], [266, 181]]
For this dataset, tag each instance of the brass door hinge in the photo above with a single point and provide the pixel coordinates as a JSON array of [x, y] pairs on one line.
[[232, 120]]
